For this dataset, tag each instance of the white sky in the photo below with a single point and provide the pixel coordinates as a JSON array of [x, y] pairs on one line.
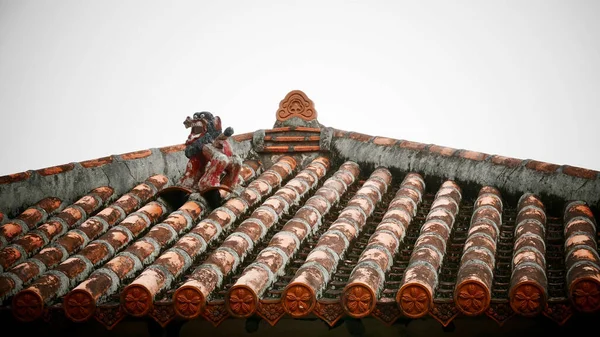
[[86, 79]]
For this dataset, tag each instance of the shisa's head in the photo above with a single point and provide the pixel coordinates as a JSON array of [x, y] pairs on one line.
[[203, 122]]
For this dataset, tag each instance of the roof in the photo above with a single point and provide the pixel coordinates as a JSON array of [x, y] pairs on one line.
[[329, 224]]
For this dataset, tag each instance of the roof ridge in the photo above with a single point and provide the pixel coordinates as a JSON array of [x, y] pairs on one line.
[[511, 162]]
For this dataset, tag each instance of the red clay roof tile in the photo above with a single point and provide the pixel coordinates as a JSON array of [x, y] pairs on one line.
[[136, 155], [528, 291], [441, 150], [384, 141], [97, 162], [172, 148], [56, 169], [473, 291], [406, 144], [33, 241], [580, 172], [243, 137], [15, 177], [541, 166], [582, 263], [472, 155], [28, 220], [506, 161]]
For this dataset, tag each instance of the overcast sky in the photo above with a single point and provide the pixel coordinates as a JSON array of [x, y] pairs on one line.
[[86, 79]]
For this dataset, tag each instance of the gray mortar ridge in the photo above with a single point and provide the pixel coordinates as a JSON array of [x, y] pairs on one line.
[[121, 175], [512, 180]]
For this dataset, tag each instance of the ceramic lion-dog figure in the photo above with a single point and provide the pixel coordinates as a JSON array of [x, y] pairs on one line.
[[212, 164]]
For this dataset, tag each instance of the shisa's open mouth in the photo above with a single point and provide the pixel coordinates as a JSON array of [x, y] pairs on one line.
[[199, 126]]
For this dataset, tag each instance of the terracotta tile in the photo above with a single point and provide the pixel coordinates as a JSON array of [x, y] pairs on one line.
[[136, 155], [340, 133], [582, 263], [405, 144], [306, 148], [287, 138], [359, 137], [104, 192], [254, 164], [88, 203], [96, 162], [475, 279], [580, 172], [542, 166], [55, 169], [278, 148], [472, 155], [15, 177], [172, 148], [31, 217], [489, 189], [385, 141], [530, 199], [49, 204], [506, 161], [243, 137], [528, 290], [281, 129], [578, 209], [441, 150], [293, 128], [31, 242]]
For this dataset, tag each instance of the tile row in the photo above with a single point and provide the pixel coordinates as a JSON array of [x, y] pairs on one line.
[[28, 220], [119, 212]]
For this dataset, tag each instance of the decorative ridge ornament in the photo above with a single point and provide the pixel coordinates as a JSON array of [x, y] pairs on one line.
[[212, 169], [296, 109]]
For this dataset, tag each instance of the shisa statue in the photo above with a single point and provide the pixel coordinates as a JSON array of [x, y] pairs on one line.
[[212, 169]]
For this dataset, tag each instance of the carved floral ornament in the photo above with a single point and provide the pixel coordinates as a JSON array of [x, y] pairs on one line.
[[414, 301], [242, 302], [79, 306], [271, 311], [298, 301], [527, 300], [137, 301], [586, 295], [188, 302], [28, 306], [358, 301], [296, 104], [472, 298], [215, 313]]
